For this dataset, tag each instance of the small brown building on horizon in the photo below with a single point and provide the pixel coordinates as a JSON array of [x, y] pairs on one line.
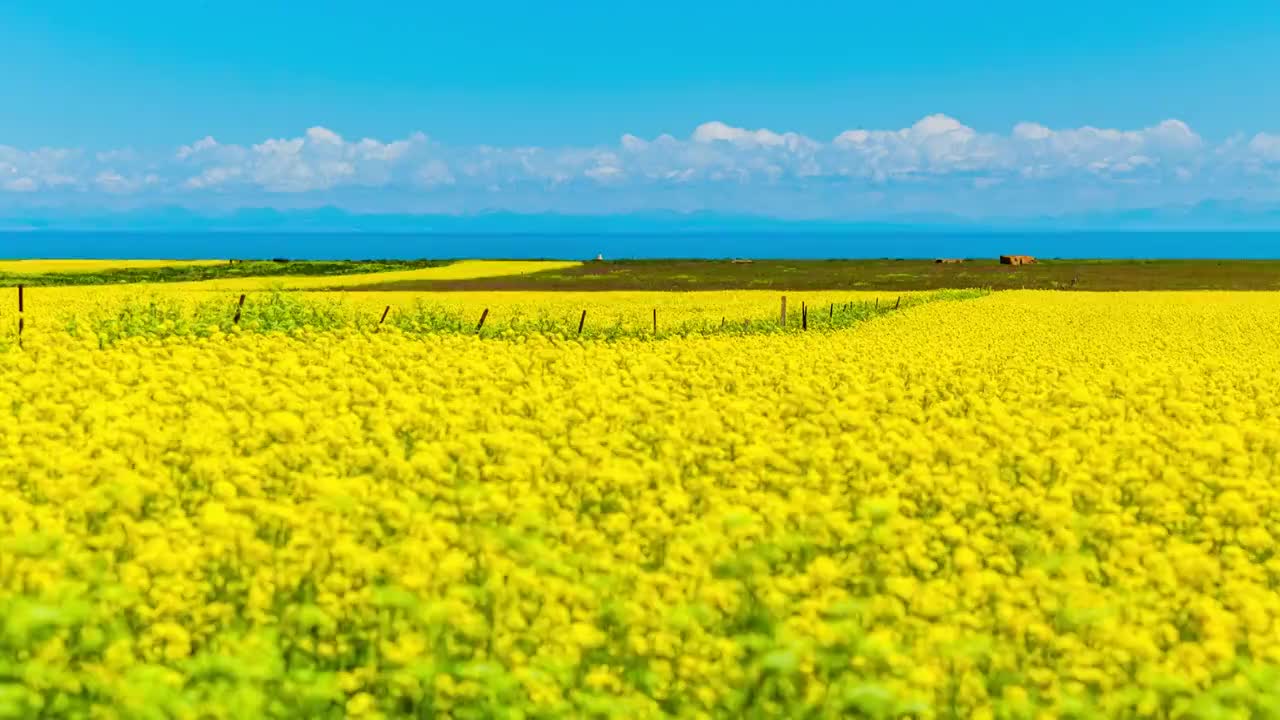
[[949, 261], [1017, 260]]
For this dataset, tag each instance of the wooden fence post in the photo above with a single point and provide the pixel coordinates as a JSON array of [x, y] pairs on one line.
[[483, 315], [877, 303], [895, 305], [784, 311], [384, 315], [21, 319], [582, 322], [804, 316], [831, 314], [655, 321], [238, 309]]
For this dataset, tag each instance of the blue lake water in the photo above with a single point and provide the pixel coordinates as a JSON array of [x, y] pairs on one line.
[[337, 246]]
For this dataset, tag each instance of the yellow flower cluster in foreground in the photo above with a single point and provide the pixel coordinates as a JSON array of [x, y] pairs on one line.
[[1025, 505]]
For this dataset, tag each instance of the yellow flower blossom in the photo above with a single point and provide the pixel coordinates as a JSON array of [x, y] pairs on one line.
[[1023, 505]]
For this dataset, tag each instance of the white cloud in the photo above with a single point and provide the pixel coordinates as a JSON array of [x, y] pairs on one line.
[[113, 182], [434, 173], [633, 144], [1266, 147], [939, 144], [1031, 131], [21, 184], [320, 159], [1163, 145], [715, 130], [937, 162], [44, 168], [212, 177], [605, 173], [203, 145], [934, 144], [323, 136]]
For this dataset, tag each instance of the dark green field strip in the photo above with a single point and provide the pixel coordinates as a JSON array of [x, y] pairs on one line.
[[887, 275], [677, 275]]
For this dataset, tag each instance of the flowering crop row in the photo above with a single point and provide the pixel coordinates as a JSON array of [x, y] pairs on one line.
[[32, 267], [186, 309], [1025, 505], [461, 270]]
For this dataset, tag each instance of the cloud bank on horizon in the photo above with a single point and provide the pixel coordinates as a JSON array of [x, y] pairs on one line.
[[936, 165]]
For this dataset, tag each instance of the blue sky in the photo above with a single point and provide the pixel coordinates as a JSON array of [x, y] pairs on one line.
[[806, 110]]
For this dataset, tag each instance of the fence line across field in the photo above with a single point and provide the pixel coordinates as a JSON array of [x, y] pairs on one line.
[[582, 319]]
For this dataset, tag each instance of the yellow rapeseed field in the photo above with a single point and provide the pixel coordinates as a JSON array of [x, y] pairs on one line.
[[50, 308], [461, 270], [35, 267], [1023, 505]]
